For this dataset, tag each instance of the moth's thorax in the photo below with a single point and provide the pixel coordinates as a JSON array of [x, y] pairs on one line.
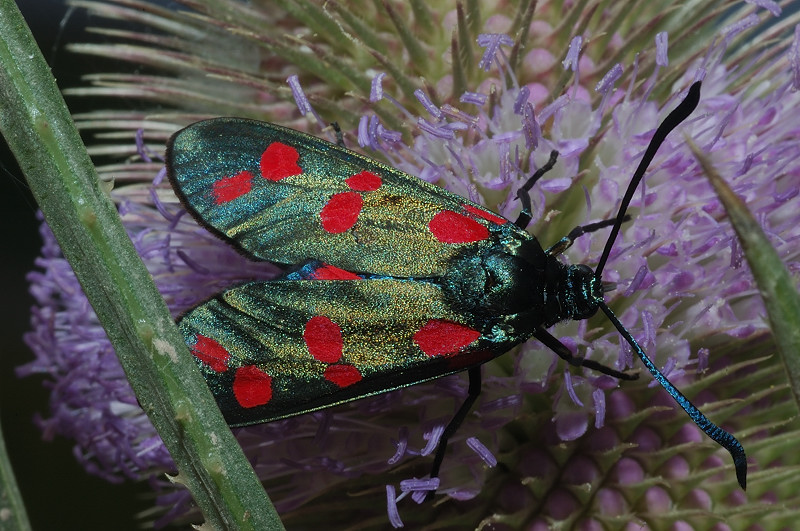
[[570, 292], [503, 280]]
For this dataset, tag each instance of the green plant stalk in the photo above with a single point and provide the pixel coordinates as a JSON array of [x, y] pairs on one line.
[[776, 286], [39, 130], [12, 510]]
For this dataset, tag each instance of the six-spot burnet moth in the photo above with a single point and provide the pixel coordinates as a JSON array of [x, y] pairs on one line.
[[392, 281]]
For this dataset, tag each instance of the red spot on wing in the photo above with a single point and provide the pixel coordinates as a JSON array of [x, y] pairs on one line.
[[343, 375], [329, 272], [443, 338], [488, 216], [365, 181], [229, 188], [279, 161], [323, 338], [211, 353], [341, 212], [450, 227], [252, 387]]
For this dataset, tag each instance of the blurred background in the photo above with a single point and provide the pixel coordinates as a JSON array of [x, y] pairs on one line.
[[57, 492]]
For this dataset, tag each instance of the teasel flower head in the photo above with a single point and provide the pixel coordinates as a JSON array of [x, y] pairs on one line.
[[474, 99]]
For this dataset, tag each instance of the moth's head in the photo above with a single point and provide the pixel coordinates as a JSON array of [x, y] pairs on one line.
[[586, 289]]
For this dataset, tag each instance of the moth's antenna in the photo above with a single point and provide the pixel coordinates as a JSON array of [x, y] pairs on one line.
[[720, 436], [678, 115]]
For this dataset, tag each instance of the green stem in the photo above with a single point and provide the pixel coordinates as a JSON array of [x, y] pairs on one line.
[[12, 510], [42, 136]]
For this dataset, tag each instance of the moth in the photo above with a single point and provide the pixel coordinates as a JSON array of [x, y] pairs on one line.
[[391, 281]]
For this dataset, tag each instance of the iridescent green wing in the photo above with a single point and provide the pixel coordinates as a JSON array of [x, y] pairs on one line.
[[274, 349], [285, 196]]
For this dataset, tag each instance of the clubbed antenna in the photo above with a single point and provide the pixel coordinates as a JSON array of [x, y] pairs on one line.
[[680, 113], [722, 437]]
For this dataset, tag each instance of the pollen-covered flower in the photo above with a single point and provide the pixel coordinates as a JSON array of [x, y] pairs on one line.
[[475, 100]]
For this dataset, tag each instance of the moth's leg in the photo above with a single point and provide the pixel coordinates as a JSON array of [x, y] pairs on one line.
[[339, 136], [473, 392], [563, 352], [566, 242], [523, 194]]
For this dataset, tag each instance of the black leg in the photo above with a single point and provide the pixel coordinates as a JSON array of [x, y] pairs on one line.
[[563, 352], [339, 136], [566, 242], [523, 193], [472, 394]]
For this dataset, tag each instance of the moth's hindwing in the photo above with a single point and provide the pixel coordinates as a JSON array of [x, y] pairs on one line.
[[278, 348], [287, 197]]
